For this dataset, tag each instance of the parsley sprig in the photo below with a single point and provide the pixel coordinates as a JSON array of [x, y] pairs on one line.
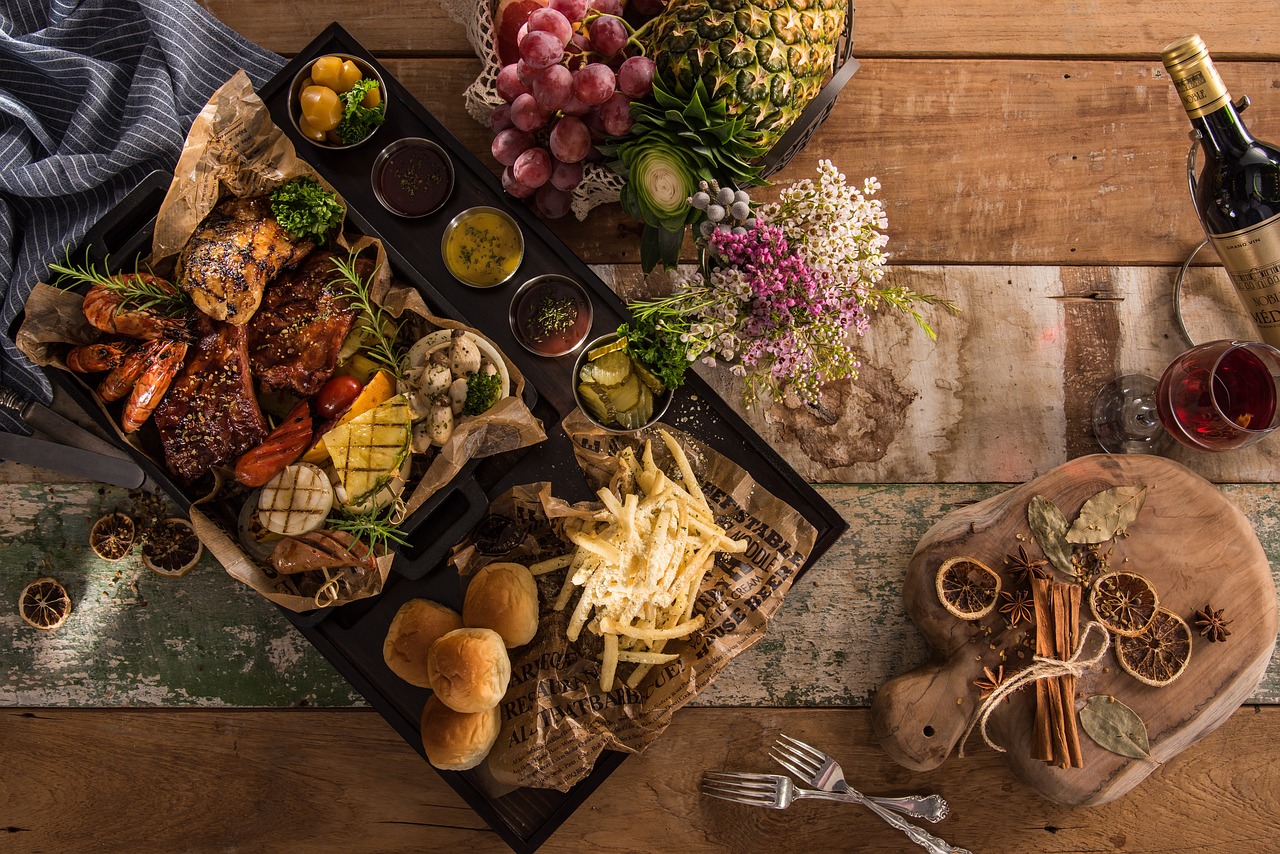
[[358, 121], [374, 319], [653, 339]]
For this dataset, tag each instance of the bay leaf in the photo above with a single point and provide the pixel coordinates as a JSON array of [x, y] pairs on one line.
[[1115, 727], [1049, 528], [1106, 514]]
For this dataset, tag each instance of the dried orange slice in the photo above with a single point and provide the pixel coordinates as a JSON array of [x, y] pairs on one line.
[[172, 547], [967, 587], [44, 604], [111, 537], [1124, 602], [1158, 655]]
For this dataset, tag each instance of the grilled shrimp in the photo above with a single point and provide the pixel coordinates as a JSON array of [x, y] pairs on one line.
[[104, 310], [117, 384], [153, 383], [99, 356]]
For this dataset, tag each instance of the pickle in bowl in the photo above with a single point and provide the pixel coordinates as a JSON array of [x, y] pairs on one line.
[[615, 391]]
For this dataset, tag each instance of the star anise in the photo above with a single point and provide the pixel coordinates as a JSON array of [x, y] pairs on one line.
[[992, 681], [1024, 568], [1017, 607], [1211, 624]]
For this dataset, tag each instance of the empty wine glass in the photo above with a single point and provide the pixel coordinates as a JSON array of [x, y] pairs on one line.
[[1216, 396]]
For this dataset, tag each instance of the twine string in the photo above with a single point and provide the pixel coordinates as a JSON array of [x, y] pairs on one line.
[[1042, 667]]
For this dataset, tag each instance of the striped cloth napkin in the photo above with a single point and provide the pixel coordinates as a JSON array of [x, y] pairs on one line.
[[94, 94]]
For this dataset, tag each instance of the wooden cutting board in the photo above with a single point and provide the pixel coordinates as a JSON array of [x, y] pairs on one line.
[[1188, 539]]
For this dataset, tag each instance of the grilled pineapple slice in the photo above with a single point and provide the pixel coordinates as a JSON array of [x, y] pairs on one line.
[[369, 449]]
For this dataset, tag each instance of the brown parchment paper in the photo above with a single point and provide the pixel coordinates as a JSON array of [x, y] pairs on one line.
[[234, 149], [555, 719]]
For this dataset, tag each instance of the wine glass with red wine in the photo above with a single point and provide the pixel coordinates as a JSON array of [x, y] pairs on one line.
[[1217, 396]]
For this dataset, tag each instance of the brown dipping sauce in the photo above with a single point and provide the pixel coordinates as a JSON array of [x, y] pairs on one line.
[[413, 177], [551, 315]]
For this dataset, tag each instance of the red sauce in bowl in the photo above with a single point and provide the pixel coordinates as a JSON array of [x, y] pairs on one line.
[[551, 315], [413, 177]]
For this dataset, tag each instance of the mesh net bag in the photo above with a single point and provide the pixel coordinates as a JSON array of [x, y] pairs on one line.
[[599, 185]]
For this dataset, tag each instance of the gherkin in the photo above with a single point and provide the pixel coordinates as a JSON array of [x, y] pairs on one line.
[[765, 59]]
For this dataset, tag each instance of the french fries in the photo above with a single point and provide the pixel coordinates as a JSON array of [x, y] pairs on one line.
[[639, 563]]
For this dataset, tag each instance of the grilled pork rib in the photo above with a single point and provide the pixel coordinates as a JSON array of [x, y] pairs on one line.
[[234, 253], [210, 415], [295, 335]]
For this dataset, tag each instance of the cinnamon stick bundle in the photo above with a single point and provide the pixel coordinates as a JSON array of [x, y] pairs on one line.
[[1055, 738]]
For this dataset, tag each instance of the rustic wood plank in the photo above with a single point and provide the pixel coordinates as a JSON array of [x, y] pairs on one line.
[[981, 28], [343, 781], [205, 640]]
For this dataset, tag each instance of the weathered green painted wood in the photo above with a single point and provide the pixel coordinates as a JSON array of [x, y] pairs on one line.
[[205, 640]]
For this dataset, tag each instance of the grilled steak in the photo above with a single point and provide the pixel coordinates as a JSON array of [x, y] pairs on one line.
[[295, 335], [210, 415], [234, 253]]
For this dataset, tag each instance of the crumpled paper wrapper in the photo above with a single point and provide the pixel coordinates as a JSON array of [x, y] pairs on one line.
[[555, 719], [234, 149]]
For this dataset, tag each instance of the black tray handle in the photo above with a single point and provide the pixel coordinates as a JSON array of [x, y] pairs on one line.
[[124, 231], [426, 556]]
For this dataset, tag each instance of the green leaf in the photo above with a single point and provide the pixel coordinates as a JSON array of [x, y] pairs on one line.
[[1049, 528], [1107, 514], [1115, 727]]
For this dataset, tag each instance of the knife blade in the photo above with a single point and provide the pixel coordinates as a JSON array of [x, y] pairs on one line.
[[70, 460], [44, 420]]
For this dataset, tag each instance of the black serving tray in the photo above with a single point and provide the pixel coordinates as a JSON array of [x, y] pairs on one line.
[[351, 636]]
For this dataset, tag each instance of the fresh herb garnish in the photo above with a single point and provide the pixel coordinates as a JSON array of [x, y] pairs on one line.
[[137, 292], [358, 121], [655, 342], [374, 319], [375, 528], [553, 314], [305, 209], [482, 393]]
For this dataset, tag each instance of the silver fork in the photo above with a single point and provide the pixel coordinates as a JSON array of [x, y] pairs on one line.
[[775, 791], [822, 771]]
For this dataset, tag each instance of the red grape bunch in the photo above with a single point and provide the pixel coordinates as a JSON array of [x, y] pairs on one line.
[[571, 88]]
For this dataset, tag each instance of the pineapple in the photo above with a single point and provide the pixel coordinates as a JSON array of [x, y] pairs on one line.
[[731, 76], [765, 58]]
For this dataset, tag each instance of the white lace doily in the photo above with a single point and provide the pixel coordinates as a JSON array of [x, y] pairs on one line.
[[600, 185]]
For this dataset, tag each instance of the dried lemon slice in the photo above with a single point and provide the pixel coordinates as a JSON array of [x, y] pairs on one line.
[[172, 547], [1158, 655], [44, 604], [1124, 602], [111, 537], [967, 587]]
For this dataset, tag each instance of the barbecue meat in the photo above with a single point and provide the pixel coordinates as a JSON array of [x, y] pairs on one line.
[[210, 415], [234, 253], [295, 335]]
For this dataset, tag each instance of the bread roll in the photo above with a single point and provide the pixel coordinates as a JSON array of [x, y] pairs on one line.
[[456, 741], [503, 597], [416, 626], [469, 669]]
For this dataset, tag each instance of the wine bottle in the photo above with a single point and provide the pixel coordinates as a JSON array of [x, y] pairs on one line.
[[1237, 195]]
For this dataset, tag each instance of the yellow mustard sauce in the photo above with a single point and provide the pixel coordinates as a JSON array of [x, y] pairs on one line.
[[484, 249]]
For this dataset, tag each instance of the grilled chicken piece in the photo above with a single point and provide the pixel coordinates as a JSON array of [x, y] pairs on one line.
[[295, 335], [210, 415], [234, 253]]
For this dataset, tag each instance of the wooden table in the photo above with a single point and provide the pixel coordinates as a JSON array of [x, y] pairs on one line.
[[1032, 157]]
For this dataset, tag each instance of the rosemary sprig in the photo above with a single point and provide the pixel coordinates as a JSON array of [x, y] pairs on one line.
[[375, 528], [136, 292], [374, 319]]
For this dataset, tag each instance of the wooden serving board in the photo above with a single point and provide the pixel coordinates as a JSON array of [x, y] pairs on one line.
[[1188, 539]]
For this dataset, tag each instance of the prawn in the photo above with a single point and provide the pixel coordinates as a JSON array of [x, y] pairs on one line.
[[117, 384], [104, 309], [152, 384], [99, 356]]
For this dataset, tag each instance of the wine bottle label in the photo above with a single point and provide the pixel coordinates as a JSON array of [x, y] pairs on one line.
[[1195, 77], [1251, 257]]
